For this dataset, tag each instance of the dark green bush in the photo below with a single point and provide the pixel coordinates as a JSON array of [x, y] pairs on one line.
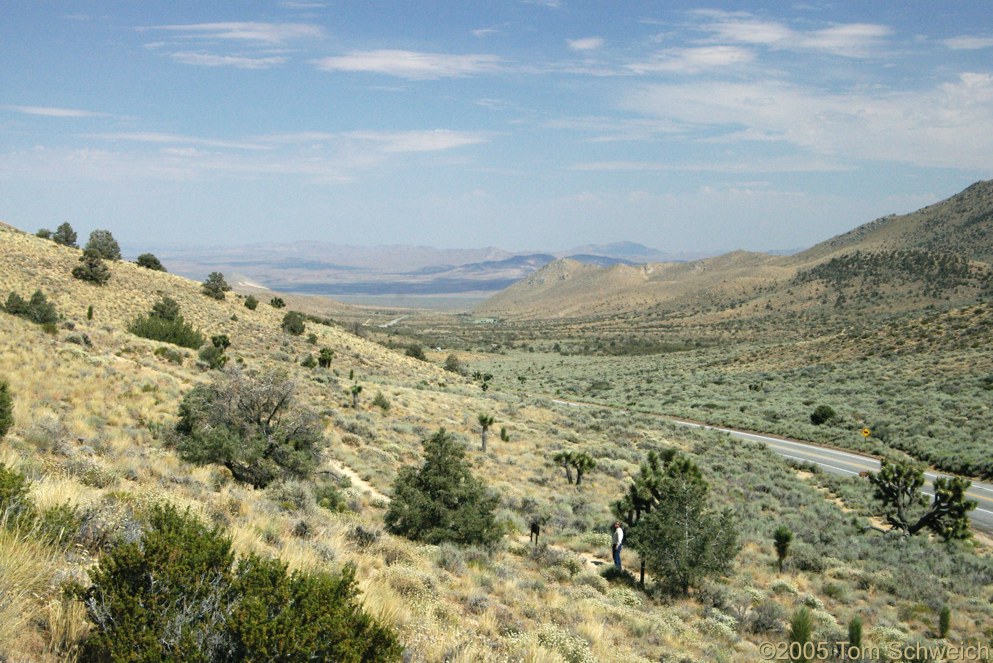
[[416, 351], [213, 357], [91, 268], [251, 302], [250, 424], [165, 324], [177, 595], [170, 355], [65, 236], [214, 286], [15, 504], [104, 244], [822, 414], [442, 500], [6, 409], [293, 322], [37, 309], [277, 302], [149, 261]]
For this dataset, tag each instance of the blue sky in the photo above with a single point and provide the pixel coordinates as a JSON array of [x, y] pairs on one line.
[[524, 124]]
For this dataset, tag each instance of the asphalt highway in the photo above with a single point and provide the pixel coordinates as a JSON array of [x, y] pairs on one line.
[[836, 461]]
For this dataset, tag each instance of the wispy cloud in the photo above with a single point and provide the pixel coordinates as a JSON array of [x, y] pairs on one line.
[[969, 43], [237, 61], [176, 139], [419, 141], [585, 44], [693, 60], [849, 39], [411, 65], [943, 127], [265, 33], [46, 111]]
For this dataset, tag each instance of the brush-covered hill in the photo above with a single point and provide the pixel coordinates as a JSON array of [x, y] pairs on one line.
[[94, 413], [938, 256]]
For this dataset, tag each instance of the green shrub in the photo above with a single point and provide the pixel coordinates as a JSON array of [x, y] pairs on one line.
[[165, 324], [213, 357], [442, 500], [381, 401], [293, 322], [104, 244], [65, 236], [149, 261], [214, 286], [822, 414], [37, 309], [277, 302], [309, 361], [91, 268], [6, 409], [416, 351], [15, 503], [250, 425], [44, 233], [251, 302], [177, 595], [170, 355]]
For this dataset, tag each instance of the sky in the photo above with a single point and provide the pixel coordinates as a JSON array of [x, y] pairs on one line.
[[521, 124]]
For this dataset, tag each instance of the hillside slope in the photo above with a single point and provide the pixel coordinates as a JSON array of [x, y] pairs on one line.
[[939, 255]]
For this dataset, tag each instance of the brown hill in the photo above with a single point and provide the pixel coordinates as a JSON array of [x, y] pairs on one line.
[[937, 256]]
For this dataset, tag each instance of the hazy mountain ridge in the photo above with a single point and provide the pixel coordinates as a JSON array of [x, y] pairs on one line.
[[938, 255], [331, 269]]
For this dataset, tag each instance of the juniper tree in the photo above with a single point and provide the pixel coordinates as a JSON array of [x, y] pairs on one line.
[[104, 244], [214, 286], [65, 236], [91, 268], [149, 261], [442, 501]]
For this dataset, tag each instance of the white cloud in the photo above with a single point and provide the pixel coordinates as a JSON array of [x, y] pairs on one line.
[[944, 127], [411, 64], [693, 60], [585, 44], [266, 33], [418, 141], [969, 43], [46, 111], [848, 39], [164, 138], [237, 61]]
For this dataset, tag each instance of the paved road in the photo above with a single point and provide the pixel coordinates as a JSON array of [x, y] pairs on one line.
[[836, 461]]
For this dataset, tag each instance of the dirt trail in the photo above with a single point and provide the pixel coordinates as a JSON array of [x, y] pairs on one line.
[[339, 468]]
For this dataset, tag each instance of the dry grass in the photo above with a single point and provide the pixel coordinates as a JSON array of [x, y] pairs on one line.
[[86, 434]]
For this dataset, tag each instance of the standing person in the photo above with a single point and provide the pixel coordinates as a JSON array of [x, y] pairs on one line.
[[616, 541]]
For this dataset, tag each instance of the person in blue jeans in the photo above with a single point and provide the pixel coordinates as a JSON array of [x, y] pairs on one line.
[[616, 541]]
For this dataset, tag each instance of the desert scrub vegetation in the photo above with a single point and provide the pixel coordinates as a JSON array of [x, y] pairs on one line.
[[177, 592], [165, 323], [248, 422]]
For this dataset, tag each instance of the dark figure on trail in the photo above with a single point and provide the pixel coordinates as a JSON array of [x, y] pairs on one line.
[[535, 531], [616, 541]]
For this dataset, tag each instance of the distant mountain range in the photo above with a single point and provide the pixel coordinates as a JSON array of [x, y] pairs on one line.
[[939, 256], [333, 269]]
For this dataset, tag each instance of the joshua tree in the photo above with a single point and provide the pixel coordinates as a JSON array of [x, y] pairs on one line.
[[583, 463], [356, 390], [485, 421], [782, 538], [564, 458]]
